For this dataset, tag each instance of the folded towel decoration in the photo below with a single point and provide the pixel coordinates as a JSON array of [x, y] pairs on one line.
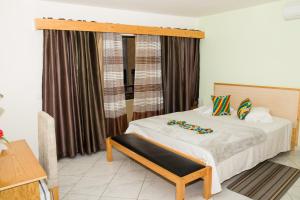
[[192, 127]]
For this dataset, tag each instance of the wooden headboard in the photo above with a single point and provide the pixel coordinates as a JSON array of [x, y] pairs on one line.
[[282, 102]]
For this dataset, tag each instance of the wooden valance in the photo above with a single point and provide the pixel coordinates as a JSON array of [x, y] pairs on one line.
[[61, 24]]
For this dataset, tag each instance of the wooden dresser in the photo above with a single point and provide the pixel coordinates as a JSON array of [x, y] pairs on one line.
[[20, 173]]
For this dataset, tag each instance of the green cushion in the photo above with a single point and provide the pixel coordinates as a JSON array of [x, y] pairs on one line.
[[221, 105], [244, 109]]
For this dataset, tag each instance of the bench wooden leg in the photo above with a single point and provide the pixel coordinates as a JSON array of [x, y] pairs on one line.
[[180, 190], [109, 156], [207, 183]]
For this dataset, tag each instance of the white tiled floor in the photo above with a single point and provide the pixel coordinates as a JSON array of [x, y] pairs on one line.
[[92, 178]]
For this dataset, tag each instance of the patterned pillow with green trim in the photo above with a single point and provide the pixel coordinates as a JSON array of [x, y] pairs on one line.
[[244, 109], [221, 105]]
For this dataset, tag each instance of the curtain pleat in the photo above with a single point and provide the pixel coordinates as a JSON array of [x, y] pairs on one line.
[[148, 98], [180, 73], [114, 92], [90, 93], [72, 92], [99, 38]]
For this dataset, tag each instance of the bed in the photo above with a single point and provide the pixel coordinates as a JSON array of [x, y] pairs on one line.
[[235, 145]]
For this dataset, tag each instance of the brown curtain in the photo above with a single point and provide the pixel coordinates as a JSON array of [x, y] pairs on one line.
[[90, 93], [72, 90], [180, 73], [114, 91], [148, 97]]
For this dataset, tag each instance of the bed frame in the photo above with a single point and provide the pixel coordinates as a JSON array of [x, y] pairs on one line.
[[282, 102]]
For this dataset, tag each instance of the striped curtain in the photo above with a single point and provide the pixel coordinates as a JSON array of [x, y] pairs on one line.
[[148, 97], [114, 93]]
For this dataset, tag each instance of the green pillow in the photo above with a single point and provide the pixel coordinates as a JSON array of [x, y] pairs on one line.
[[221, 105], [244, 109]]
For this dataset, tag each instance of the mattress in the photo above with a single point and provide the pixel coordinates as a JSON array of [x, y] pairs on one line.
[[277, 137]]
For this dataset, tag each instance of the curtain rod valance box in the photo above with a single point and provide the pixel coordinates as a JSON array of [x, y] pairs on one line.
[[61, 24]]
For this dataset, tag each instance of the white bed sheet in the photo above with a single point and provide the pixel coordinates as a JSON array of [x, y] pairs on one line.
[[278, 140]]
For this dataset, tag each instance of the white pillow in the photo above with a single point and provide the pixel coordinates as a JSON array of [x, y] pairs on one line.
[[259, 114], [208, 109], [204, 110]]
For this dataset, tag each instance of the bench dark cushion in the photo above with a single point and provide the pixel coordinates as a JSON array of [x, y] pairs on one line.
[[166, 159]]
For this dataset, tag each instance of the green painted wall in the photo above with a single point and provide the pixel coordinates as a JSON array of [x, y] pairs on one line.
[[251, 46]]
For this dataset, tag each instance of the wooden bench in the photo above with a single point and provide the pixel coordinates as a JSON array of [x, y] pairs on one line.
[[175, 166]]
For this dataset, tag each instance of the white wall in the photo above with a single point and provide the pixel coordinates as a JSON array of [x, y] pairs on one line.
[[71, 11], [20, 70], [251, 46], [21, 55]]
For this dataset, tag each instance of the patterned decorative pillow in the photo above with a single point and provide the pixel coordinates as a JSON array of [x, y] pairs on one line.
[[244, 109], [221, 105]]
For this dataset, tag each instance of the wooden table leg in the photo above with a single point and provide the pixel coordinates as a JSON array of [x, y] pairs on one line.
[[55, 193], [180, 190], [207, 183], [109, 156]]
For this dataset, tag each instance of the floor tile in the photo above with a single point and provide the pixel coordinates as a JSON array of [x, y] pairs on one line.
[[295, 157], [118, 155], [68, 180], [114, 198], [74, 169], [291, 158], [131, 165], [155, 190], [194, 191], [130, 170], [101, 168], [87, 159], [294, 191], [123, 188], [134, 175], [80, 197], [63, 162], [63, 191], [66, 183], [286, 197], [285, 161], [151, 176], [90, 186]]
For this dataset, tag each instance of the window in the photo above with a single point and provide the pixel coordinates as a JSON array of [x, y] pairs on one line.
[[129, 65]]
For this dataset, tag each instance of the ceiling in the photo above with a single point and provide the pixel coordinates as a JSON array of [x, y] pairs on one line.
[[189, 8]]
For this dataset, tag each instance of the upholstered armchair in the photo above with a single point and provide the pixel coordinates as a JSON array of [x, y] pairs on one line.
[[47, 151]]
